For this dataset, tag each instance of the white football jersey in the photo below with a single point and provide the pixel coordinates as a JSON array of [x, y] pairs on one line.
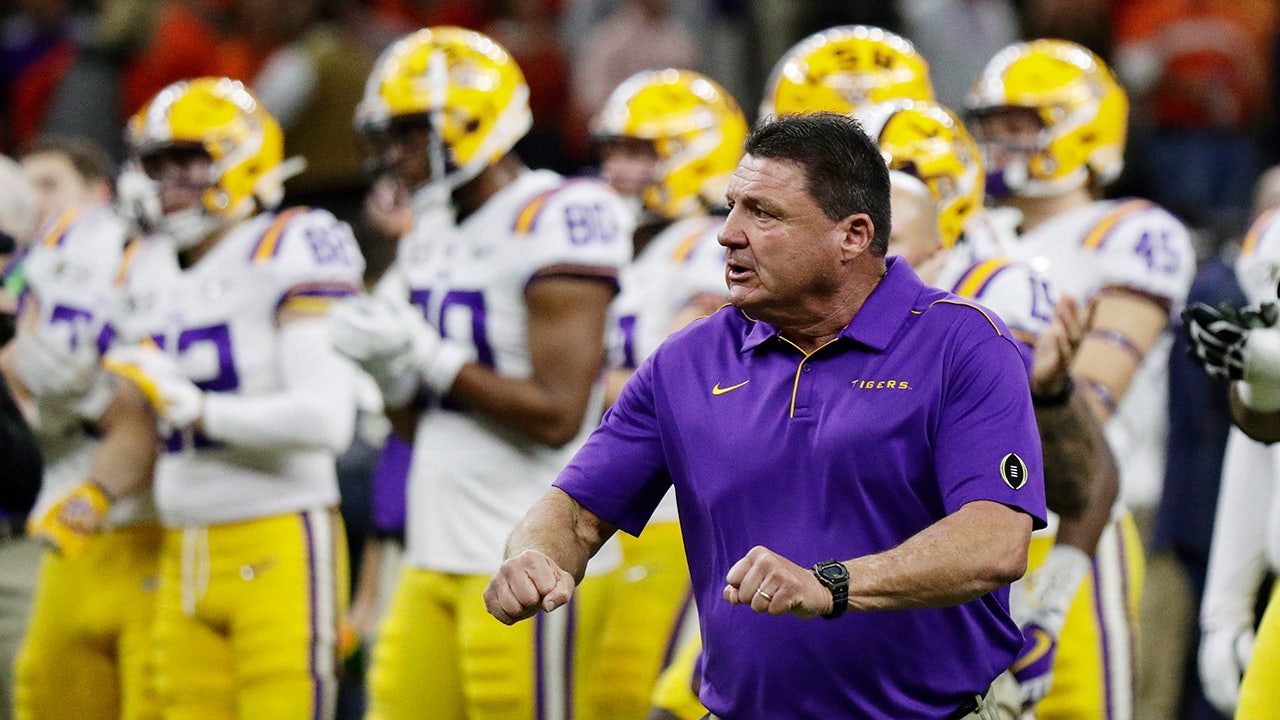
[[980, 271], [1134, 245], [471, 480], [682, 261], [70, 275], [219, 318], [1258, 267]]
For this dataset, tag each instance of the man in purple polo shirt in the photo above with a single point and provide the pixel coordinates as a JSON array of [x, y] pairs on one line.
[[839, 410]]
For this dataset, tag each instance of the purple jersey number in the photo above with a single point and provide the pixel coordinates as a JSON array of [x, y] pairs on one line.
[[471, 301], [329, 247], [590, 223], [218, 338], [78, 319], [1041, 300], [1158, 251]]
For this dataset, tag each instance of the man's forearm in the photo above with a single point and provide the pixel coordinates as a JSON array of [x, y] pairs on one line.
[[560, 528], [1075, 454], [124, 462], [974, 551]]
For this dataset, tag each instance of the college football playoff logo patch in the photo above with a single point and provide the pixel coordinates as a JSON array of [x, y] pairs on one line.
[[1013, 470]]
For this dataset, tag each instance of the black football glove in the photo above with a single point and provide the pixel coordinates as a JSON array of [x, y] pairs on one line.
[[1218, 335]]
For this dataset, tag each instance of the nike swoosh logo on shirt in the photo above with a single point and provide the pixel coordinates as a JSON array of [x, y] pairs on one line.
[[717, 390], [1042, 646]]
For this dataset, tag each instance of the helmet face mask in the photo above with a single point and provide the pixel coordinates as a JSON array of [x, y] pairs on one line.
[[1081, 109], [845, 69], [1011, 138], [676, 132]]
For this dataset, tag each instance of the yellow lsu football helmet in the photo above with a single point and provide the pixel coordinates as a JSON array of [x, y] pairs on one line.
[[697, 131], [843, 69], [222, 119], [928, 141], [1083, 110], [465, 86]]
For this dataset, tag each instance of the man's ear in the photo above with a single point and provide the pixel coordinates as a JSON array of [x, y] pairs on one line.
[[857, 231]]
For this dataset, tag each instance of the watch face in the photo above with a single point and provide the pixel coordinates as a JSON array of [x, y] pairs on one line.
[[835, 572]]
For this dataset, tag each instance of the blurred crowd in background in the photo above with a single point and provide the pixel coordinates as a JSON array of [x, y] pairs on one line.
[[1199, 72]]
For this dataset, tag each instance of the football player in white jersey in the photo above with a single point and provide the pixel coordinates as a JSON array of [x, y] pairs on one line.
[[95, 595], [669, 140], [958, 247], [491, 325], [1051, 119], [1246, 533], [221, 322]]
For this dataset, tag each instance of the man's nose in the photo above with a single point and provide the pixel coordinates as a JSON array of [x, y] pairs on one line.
[[730, 234]]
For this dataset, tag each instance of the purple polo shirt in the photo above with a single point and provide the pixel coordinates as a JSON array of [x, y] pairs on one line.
[[910, 413]]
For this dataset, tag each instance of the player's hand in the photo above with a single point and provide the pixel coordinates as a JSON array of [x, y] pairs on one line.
[[397, 348], [1219, 336], [1033, 668], [1056, 349], [1224, 655], [156, 373], [386, 207], [772, 584], [525, 584], [72, 519], [53, 366], [380, 335]]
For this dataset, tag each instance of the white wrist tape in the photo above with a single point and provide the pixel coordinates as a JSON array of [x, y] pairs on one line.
[[1261, 396], [1262, 356], [1056, 584], [444, 367]]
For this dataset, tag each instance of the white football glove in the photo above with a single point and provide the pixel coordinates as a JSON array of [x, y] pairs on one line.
[[1224, 655], [391, 342], [1039, 605], [62, 371], [155, 372]]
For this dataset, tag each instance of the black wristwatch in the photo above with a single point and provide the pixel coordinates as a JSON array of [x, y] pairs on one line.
[[834, 576]]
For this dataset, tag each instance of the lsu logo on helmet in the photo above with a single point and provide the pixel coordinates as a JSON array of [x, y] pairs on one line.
[[462, 84], [697, 131], [843, 69], [1082, 108], [928, 141]]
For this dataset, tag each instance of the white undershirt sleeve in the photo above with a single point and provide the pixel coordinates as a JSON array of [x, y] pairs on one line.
[[316, 409], [1237, 558]]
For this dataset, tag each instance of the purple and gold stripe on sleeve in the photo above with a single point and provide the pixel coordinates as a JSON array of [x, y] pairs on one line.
[[131, 252], [268, 246], [58, 232], [315, 297], [1098, 236], [975, 280], [686, 246], [527, 219], [1255, 233]]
